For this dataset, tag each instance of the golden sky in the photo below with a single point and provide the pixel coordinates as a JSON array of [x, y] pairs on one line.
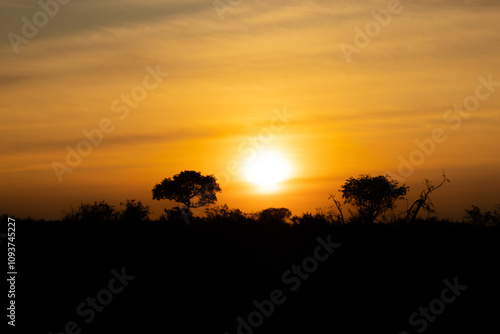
[[232, 79]]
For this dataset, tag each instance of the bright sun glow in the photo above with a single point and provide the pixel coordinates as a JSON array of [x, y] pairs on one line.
[[267, 169]]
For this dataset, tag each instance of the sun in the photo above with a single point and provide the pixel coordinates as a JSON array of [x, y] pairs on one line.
[[267, 169]]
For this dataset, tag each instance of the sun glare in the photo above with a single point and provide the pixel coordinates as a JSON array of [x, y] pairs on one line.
[[267, 170]]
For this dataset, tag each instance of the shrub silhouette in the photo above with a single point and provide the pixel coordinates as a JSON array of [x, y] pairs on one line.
[[175, 216], [223, 214], [312, 220], [475, 216], [100, 212], [274, 215], [134, 211]]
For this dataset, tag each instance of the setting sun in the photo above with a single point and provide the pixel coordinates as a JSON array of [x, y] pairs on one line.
[[267, 170]]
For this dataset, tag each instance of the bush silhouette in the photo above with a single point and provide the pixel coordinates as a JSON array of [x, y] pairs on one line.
[[311, 220], [274, 216], [223, 214], [100, 212], [134, 211], [476, 217]]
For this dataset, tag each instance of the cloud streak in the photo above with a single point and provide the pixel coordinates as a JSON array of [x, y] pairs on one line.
[[226, 78]]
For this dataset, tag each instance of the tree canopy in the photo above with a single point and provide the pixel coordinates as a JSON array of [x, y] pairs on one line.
[[189, 188], [372, 195]]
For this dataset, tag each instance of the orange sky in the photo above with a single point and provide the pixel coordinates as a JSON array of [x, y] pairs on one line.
[[227, 80]]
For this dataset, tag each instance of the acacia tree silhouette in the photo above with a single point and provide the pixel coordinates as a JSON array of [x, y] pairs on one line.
[[372, 195], [189, 188]]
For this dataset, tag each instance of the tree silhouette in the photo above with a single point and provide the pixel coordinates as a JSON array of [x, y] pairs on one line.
[[372, 196], [424, 202], [340, 216], [189, 188]]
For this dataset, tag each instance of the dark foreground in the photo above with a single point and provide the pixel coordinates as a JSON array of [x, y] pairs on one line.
[[159, 278]]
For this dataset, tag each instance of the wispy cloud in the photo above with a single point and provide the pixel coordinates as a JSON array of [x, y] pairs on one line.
[[227, 76]]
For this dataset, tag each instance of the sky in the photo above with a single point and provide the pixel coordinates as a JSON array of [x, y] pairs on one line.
[[336, 88]]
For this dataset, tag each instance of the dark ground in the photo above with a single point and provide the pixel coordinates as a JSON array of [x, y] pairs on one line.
[[200, 278]]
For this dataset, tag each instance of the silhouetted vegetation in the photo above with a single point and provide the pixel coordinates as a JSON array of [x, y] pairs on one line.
[[476, 217], [274, 216], [103, 213], [134, 211], [97, 213], [373, 200], [200, 273], [189, 188], [313, 220], [224, 215], [424, 202], [372, 196]]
